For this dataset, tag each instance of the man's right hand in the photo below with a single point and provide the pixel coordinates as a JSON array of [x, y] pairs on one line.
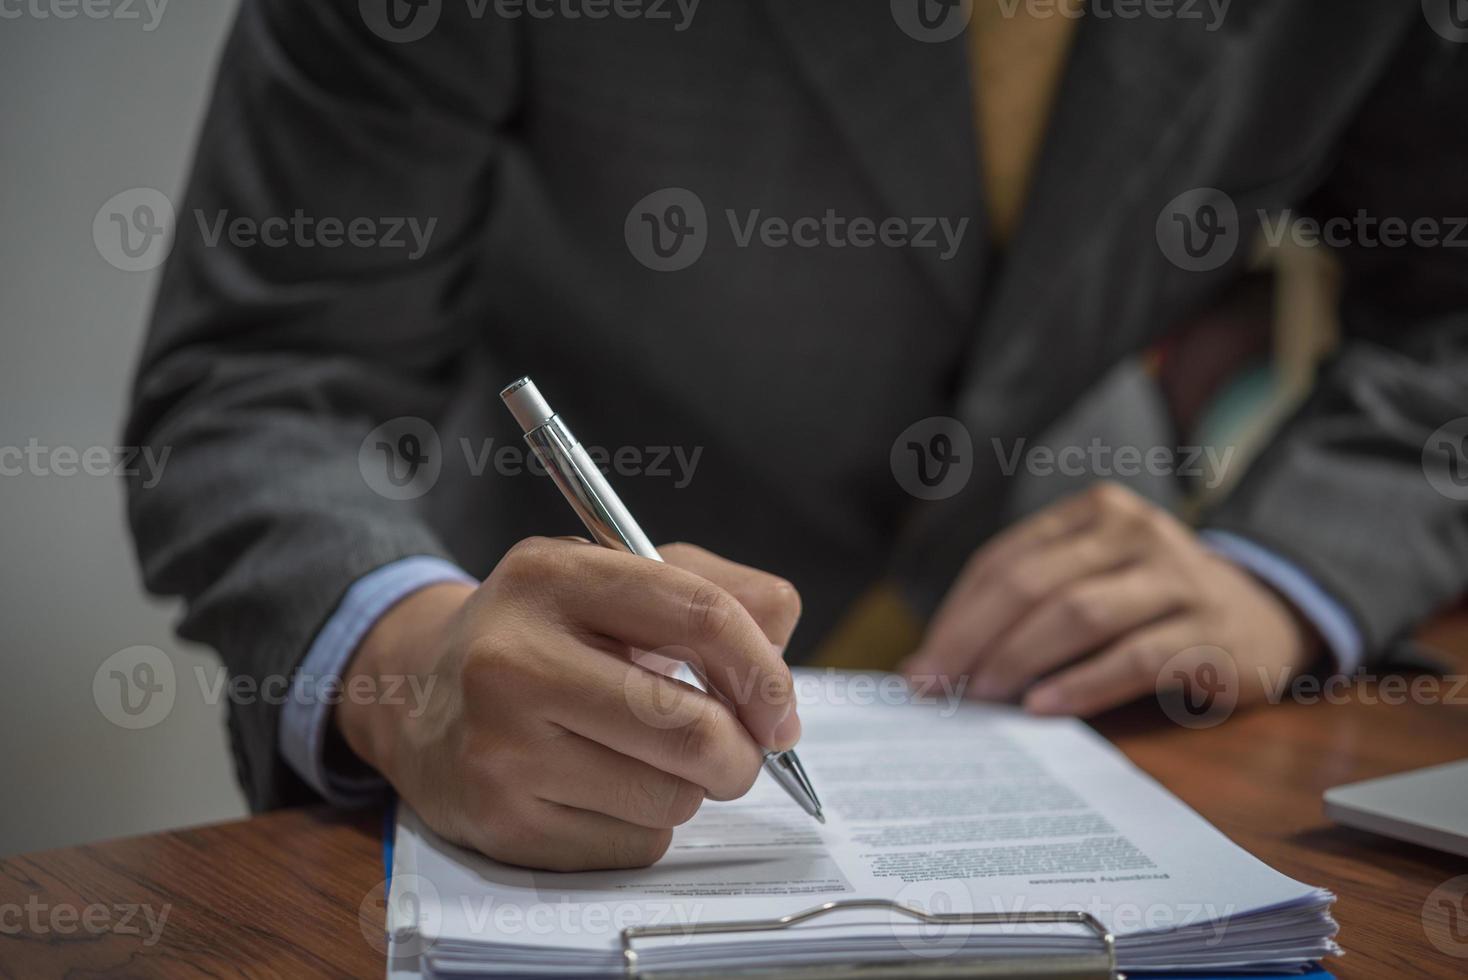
[[543, 743]]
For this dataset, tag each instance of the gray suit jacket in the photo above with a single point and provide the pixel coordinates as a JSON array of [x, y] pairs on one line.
[[790, 369]]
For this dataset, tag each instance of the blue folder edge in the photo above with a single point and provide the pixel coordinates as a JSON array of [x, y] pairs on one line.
[[1315, 974], [389, 826], [389, 831]]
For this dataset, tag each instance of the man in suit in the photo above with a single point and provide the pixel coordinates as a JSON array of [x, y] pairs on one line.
[[706, 234]]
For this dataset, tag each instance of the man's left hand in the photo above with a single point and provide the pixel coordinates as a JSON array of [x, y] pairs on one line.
[[1077, 608]]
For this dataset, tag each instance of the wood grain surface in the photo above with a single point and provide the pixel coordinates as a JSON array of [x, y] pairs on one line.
[[297, 893]]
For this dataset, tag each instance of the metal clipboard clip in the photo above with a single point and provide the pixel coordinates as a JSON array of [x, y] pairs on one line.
[[1097, 965]]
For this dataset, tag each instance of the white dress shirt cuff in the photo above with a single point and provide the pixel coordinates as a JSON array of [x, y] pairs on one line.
[[317, 687]]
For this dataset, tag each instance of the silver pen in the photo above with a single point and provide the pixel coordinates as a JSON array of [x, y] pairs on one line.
[[611, 524]]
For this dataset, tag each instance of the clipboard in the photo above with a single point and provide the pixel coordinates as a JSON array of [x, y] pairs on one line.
[[1099, 964], [1096, 965]]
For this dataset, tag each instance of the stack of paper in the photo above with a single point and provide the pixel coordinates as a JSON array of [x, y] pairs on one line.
[[941, 806]]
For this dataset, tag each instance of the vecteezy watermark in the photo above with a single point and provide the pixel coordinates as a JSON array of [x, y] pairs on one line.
[[135, 688], [1199, 687], [1210, 13], [1363, 687], [935, 21], [148, 13], [1031, 917], [832, 230], [1445, 917], [924, 939], [932, 21], [933, 458], [568, 915], [1449, 18], [400, 21], [1130, 917], [133, 229], [675, 463], [403, 21], [404, 907], [1208, 464], [1364, 230], [1198, 231], [34, 459], [401, 690], [677, 13], [667, 707], [668, 230], [302, 230], [37, 918], [1445, 459], [403, 458], [411, 909], [838, 687]]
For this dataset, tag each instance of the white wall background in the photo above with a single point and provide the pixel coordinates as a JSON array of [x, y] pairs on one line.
[[88, 108]]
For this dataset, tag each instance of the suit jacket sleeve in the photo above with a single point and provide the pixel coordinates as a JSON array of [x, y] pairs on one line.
[[1356, 489], [269, 361]]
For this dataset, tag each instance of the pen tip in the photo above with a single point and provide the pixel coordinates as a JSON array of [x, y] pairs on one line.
[[820, 816]]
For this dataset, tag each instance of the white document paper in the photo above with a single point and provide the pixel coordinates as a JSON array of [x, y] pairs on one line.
[[942, 806]]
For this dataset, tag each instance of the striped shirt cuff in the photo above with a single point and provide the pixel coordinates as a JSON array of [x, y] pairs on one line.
[[317, 687]]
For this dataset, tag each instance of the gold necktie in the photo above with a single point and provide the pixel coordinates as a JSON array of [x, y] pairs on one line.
[[1016, 61]]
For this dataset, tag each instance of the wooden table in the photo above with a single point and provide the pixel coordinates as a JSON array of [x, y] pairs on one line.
[[298, 892]]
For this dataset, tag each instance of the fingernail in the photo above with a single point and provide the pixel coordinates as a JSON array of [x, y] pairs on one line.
[[1045, 701], [787, 732]]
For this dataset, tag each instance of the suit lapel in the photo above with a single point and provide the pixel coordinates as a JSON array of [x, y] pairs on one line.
[[1131, 95], [1129, 102], [905, 109]]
